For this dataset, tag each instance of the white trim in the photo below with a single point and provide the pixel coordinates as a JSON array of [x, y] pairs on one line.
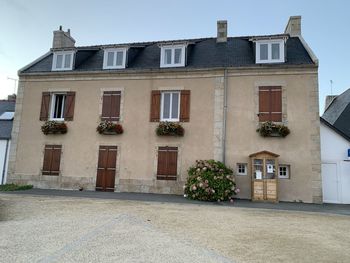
[[114, 51], [172, 48], [52, 105], [64, 54], [269, 51], [170, 119]]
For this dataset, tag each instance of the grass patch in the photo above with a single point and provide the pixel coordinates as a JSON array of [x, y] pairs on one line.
[[15, 187]]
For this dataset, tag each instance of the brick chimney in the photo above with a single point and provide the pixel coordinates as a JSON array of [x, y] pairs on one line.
[[221, 31], [329, 100], [62, 39], [293, 27]]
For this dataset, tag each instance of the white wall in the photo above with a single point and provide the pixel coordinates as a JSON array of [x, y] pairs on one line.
[[333, 146], [2, 159], [335, 166]]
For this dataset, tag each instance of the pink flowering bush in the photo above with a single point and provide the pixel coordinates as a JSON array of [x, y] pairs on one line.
[[209, 180]]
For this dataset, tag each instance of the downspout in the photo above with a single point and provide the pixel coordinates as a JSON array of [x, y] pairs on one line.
[[224, 119], [5, 161]]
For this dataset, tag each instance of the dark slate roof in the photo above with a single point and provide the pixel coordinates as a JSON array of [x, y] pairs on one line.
[[201, 53], [6, 126], [338, 114]]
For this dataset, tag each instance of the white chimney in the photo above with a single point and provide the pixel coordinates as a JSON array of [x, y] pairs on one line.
[[293, 27], [62, 39], [221, 31]]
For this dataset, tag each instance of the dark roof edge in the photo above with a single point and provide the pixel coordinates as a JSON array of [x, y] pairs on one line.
[[34, 62], [166, 70], [309, 50], [335, 129]]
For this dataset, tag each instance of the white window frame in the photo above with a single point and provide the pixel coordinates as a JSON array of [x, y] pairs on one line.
[[287, 176], [52, 106], [172, 48], [245, 169], [269, 51], [170, 119], [114, 50], [63, 53]]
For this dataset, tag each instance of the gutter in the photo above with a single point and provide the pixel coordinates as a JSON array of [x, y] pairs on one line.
[[224, 119], [5, 162]]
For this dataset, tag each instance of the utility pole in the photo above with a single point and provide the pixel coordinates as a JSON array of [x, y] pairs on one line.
[[15, 87]]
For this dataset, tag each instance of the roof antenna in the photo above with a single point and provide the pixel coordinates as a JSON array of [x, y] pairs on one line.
[[331, 81]]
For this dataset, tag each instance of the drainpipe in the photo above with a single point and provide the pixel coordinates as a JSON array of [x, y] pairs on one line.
[[224, 119], [5, 161]]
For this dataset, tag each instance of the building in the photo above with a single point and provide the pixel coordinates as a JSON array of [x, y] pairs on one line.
[[7, 110], [335, 149], [221, 89]]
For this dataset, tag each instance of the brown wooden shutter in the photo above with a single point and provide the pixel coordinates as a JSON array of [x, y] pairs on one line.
[[69, 106], [106, 169], [52, 159], [270, 104], [185, 105], [45, 104], [111, 106], [167, 163], [155, 106], [276, 104]]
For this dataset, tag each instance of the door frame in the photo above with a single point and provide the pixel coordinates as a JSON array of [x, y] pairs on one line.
[[117, 165], [338, 182]]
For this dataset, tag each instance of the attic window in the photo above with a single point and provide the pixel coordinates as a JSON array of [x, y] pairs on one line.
[[270, 51], [172, 56], [114, 58], [63, 60], [7, 115]]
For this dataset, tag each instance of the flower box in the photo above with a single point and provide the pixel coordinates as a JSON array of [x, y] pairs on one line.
[[109, 128], [54, 127], [170, 129], [271, 129]]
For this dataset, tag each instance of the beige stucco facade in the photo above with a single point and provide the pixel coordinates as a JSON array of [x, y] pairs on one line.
[[203, 139]]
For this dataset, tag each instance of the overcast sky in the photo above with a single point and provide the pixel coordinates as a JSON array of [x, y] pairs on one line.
[[26, 28]]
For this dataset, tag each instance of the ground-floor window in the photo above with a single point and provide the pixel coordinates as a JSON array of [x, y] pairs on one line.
[[241, 169], [284, 171], [167, 163], [52, 159]]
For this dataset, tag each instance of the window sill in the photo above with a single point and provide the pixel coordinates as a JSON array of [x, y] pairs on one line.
[[167, 177]]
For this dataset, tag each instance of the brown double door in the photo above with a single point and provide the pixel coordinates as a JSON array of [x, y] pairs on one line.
[[107, 159]]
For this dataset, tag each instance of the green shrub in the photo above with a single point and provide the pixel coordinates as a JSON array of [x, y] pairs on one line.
[[15, 187], [209, 180]]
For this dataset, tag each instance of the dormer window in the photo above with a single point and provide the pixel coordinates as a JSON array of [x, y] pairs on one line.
[[270, 51], [172, 56], [114, 58], [63, 60]]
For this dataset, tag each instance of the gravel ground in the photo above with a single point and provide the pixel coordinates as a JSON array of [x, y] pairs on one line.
[[66, 229]]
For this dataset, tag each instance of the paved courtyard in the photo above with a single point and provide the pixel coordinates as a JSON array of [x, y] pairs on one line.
[[72, 229]]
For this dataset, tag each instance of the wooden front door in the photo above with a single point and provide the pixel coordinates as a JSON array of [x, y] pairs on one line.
[[107, 159]]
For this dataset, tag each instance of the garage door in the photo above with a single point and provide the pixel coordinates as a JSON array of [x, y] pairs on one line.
[[330, 186]]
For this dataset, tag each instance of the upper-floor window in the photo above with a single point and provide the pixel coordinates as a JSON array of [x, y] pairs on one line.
[[170, 106], [57, 106], [270, 51], [172, 56], [114, 58], [63, 60], [270, 103]]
